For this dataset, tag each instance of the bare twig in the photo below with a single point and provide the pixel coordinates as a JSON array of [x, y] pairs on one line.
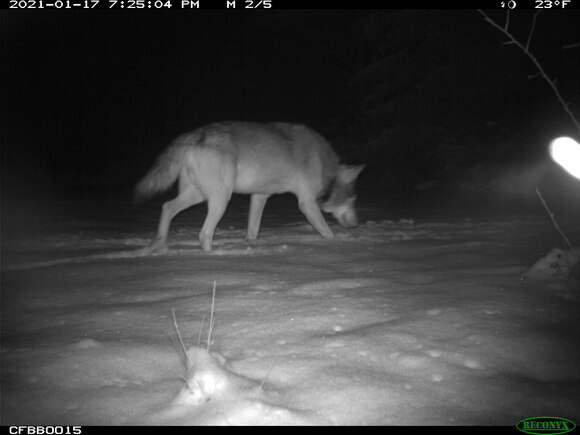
[[570, 46], [532, 30], [553, 219], [535, 61]]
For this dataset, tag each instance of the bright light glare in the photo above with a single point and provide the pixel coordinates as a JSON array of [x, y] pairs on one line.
[[566, 152]]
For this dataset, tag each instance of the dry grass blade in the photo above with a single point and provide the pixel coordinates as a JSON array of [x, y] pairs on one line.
[[211, 318], [200, 331], [180, 339]]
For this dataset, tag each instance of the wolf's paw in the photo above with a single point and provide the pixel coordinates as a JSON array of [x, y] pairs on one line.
[[155, 248]]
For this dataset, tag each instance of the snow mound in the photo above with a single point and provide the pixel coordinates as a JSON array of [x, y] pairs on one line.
[[213, 395], [557, 264]]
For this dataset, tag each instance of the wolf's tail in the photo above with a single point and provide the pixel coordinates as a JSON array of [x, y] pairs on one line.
[[163, 173]]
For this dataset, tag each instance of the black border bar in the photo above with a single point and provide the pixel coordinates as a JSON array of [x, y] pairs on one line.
[[250, 5]]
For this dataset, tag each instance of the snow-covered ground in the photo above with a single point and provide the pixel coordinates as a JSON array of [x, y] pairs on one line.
[[415, 317]]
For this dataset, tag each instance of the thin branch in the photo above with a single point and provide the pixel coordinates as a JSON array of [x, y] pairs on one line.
[[532, 30], [535, 61], [554, 219], [570, 46]]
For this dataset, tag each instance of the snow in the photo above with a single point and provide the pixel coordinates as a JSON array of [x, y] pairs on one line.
[[413, 318]]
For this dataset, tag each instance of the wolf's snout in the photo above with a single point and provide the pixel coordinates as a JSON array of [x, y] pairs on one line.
[[344, 213], [348, 220]]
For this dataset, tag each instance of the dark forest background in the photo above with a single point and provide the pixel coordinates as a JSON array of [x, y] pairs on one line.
[[89, 98]]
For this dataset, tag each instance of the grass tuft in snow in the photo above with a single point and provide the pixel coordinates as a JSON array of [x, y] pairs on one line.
[[186, 358], [211, 318]]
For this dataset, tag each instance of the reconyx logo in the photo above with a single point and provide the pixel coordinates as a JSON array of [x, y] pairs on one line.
[[545, 425]]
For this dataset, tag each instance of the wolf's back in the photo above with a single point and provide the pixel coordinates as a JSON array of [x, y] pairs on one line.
[[164, 171]]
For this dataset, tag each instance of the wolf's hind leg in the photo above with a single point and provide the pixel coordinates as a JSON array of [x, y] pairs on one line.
[[187, 197], [216, 207]]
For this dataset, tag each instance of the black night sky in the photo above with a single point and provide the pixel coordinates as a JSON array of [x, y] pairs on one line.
[[89, 98]]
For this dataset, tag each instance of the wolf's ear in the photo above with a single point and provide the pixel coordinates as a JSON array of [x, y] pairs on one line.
[[348, 174]]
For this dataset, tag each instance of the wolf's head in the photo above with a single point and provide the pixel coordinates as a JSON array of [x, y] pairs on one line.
[[340, 200]]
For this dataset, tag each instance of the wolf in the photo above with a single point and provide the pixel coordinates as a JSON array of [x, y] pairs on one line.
[[260, 159]]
